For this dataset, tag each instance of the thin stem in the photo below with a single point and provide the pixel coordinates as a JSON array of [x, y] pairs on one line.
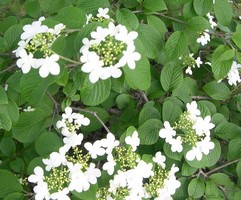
[[56, 105], [8, 68], [200, 98], [171, 18], [236, 88], [67, 59], [223, 166], [96, 116], [71, 30]]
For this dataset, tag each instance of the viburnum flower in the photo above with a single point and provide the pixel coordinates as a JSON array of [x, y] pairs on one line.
[[34, 50], [193, 110], [190, 63], [204, 38], [110, 165], [95, 149], [160, 159], [101, 16], [133, 140], [233, 74], [62, 194], [167, 132], [107, 51], [28, 109], [210, 19], [73, 140], [38, 175], [176, 144], [203, 126], [92, 173], [109, 143], [103, 12], [41, 191]]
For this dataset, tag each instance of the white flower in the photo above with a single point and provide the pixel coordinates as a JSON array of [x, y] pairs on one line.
[[61, 195], [198, 62], [100, 34], [193, 110], [204, 38], [133, 140], [206, 145], [48, 65], [38, 175], [110, 165], [73, 140], [92, 173], [167, 132], [56, 159], [88, 17], [21, 45], [57, 29], [129, 57], [144, 169], [95, 149], [109, 143], [176, 144], [195, 152], [160, 159], [26, 61], [68, 115], [79, 181], [188, 70], [233, 75], [41, 191], [210, 18], [31, 30], [29, 109], [203, 126], [103, 13]]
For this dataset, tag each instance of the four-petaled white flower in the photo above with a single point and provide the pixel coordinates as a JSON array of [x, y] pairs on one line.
[[109, 143], [193, 110], [92, 173], [203, 126], [61, 195], [160, 159], [26, 61], [103, 12], [110, 165], [176, 144], [38, 175], [167, 132], [204, 38], [95, 149], [133, 140]]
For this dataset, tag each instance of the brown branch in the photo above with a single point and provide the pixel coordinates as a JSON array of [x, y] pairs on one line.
[[8, 68]]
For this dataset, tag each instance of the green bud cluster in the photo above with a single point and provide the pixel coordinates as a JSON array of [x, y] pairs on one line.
[[41, 42], [78, 157], [71, 127], [121, 193], [188, 61], [110, 51], [156, 182], [97, 19], [57, 180], [126, 157], [102, 193], [186, 123]]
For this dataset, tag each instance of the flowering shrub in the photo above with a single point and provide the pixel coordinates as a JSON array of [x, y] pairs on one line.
[[136, 99]]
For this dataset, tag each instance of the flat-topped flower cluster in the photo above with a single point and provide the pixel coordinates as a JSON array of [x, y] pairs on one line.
[[34, 49], [73, 167], [196, 133]]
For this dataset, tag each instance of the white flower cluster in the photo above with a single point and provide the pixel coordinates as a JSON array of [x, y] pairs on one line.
[[71, 122], [107, 51], [100, 17], [197, 133], [233, 75], [38, 39], [190, 62], [211, 21]]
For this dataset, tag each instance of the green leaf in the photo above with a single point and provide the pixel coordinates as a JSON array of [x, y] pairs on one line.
[[14, 196], [7, 146], [72, 17], [151, 40], [171, 112], [3, 96], [211, 189], [238, 169], [228, 130], [196, 188], [33, 8], [123, 100], [223, 12], [59, 45], [9, 183], [90, 194], [33, 87], [202, 7], [171, 76], [126, 17], [12, 36], [17, 165], [47, 143], [149, 131], [236, 37], [51, 6], [94, 123], [154, 5], [140, 77], [234, 149], [198, 24], [222, 60], [170, 154], [95, 94], [148, 113], [208, 160], [7, 22], [222, 179], [157, 24], [11, 110], [217, 91], [188, 170], [176, 45], [29, 126], [91, 6], [5, 122]]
